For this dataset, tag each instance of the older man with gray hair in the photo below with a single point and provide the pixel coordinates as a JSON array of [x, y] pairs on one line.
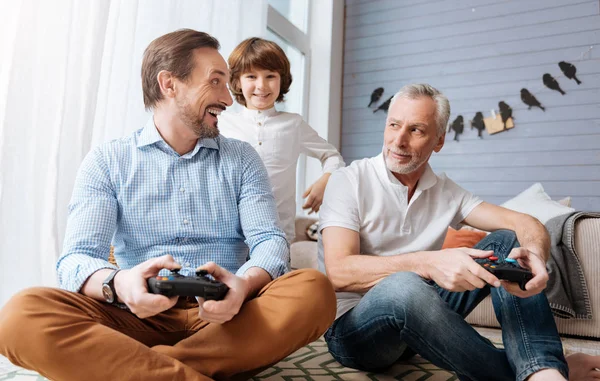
[[383, 222]]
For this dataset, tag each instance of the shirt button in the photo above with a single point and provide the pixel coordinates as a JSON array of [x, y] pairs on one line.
[[259, 123], [187, 264], [182, 189], [260, 143], [186, 221]]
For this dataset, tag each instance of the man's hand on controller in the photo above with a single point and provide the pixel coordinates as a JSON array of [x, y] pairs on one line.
[[132, 287], [532, 262], [221, 311], [455, 270]]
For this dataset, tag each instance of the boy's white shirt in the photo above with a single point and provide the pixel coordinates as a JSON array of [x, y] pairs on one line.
[[279, 138]]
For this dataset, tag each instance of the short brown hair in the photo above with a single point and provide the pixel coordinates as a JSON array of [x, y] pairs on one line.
[[257, 53], [173, 52]]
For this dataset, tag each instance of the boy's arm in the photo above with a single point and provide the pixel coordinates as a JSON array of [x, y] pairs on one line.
[[90, 226], [315, 146]]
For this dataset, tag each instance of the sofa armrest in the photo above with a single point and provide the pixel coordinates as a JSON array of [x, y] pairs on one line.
[[587, 236]]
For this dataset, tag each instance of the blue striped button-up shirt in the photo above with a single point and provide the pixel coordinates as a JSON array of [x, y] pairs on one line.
[[211, 204]]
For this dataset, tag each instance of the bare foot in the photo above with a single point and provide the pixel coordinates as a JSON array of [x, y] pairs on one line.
[[583, 367]]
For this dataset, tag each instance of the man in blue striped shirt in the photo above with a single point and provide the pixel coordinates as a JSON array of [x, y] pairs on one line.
[[173, 195]]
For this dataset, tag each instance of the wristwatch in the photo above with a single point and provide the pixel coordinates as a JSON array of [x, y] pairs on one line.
[[108, 288]]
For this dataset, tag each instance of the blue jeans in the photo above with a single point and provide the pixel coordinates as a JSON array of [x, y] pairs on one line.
[[405, 313]]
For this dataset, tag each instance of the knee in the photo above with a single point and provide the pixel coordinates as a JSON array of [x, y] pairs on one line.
[[501, 241], [403, 287], [316, 290], [18, 318], [403, 293]]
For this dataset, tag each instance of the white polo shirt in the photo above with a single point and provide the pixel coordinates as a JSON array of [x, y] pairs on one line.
[[367, 198]]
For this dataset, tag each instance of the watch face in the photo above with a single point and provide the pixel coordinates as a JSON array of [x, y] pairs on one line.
[[108, 294]]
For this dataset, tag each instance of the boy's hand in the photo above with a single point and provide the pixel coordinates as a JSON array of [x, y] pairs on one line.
[[314, 194]]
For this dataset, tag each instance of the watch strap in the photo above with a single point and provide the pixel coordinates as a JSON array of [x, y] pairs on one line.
[[110, 282]]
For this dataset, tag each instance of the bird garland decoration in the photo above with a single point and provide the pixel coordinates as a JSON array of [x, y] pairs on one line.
[[530, 100], [506, 113], [569, 70], [478, 123], [384, 106], [376, 95], [552, 83], [458, 126]]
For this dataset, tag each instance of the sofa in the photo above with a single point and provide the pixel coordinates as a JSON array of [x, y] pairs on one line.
[[587, 245]]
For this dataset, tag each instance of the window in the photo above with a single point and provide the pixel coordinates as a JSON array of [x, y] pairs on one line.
[[296, 11], [311, 34], [295, 43], [287, 25], [294, 99]]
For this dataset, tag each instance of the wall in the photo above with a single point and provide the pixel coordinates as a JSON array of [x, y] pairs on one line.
[[479, 52]]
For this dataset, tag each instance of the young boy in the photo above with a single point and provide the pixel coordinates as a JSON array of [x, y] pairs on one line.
[[260, 76]]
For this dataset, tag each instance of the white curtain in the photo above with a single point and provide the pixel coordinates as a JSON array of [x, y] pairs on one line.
[[69, 80]]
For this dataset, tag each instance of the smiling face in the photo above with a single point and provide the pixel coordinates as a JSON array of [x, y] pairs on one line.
[[203, 95], [411, 135], [260, 88]]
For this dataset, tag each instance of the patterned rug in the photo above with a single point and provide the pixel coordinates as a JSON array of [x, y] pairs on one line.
[[312, 362]]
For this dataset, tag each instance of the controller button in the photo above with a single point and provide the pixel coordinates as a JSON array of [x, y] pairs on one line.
[[510, 260], [493, 258]]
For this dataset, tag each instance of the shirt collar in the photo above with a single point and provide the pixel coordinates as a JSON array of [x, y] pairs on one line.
[[428, 178], [258, 113], [150, 135]]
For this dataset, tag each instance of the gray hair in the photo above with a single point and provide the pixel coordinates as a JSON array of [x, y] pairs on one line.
[[415, 91]]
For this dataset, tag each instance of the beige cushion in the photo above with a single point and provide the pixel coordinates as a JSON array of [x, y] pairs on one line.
[[565, 201], [536, 202]]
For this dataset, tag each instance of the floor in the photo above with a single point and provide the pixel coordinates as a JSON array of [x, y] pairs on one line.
[[314, 363]]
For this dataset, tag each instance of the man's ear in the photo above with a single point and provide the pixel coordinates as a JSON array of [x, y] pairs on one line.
[[167, 83], [440, 142]]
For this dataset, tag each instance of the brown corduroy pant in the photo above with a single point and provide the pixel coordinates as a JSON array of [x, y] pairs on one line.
[[67, 336]]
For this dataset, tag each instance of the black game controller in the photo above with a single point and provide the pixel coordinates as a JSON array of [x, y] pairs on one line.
[[508, 270], [178, 285]]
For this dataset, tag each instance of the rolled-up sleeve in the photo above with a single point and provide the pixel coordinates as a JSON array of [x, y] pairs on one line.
[[269, 249], [315, 146], [91, 224]]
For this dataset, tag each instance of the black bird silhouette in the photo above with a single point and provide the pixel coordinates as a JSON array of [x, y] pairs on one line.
[[569, 71], [458, 126], [505, 112], [552, 83], [384, 106], [478, 123], [376, 95], [530, 100]]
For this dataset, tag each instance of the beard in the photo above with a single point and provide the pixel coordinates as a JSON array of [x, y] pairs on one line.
[[415, 161], [195, 121]]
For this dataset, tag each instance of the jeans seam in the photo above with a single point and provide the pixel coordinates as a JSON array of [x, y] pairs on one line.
[[531, 369], [525, 338]]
